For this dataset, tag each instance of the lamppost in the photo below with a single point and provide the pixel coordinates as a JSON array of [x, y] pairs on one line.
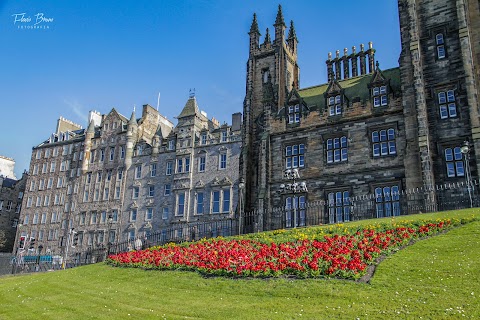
[[294, 187], [71, 233], [241, 186], [465, 149], [109, 243]]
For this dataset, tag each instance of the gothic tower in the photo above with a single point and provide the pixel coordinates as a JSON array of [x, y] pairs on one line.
[[272, 72]]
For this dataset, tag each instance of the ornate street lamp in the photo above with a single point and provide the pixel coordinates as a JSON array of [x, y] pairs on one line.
[[465, 149]]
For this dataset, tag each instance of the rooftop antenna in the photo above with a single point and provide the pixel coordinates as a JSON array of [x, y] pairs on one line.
[[158, 101]]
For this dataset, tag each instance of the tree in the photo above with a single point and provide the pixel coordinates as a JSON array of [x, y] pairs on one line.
[[3, 239]]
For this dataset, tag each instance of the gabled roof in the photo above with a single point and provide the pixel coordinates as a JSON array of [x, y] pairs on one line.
[[356, 87], [190, 109]]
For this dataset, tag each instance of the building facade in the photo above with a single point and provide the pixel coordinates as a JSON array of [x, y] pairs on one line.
[[367, 131], [121, 179], [11, 195]]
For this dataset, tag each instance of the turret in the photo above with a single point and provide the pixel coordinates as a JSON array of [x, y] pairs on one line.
[[254, 35], [279, 27], [89, 135], [132, 128], [292, 38]]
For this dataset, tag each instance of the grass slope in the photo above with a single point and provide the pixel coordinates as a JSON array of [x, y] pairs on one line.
[[437, 278]]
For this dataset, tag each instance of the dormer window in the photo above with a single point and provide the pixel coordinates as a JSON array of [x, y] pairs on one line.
[[171, 144], [380, 96], [224, 136], [204, 138], [335, 105], [294, 114], [440, 42]]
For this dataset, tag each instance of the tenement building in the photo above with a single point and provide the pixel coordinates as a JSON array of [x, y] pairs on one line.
[[125, 178], [11, 195], [366, 131]]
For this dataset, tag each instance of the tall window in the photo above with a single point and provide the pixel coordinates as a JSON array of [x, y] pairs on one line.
[[102, 155], [216, 201], [448, 107], [203, 138], [338, 206], [226, 200], [149, 214], [122, 152], [151, 191], [153, 170], [133, 215], [167, 190], [138, 172], [201, 164], [383, 142], [169, 168], [294, 114], [295, 211], [224, 136], [440, 42], [171, 144], [387, 201], [181, 204], [136, 191], [337, 150], [295, 156], [223, 161], [120, 174], [334, 105], [99, 176], [379, 96], [199, 206], [453, 160], [112, 153], [180, 165], [165, 213]]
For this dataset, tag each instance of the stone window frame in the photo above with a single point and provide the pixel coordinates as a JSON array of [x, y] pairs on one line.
[[223, 160], [180, 204], [169, 168], [335, 104], [202, 155], [167, 189], [440, 47], [197, 203], [384, 127], [151, 191], [341, 136], [300, 155], [380, 195], [446, 100], [299, 201], [149, 214], [135, 192], [454, 162], [294, 114], [333, 205]]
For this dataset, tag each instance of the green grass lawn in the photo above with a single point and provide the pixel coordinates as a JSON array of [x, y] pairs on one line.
[[436, 278]]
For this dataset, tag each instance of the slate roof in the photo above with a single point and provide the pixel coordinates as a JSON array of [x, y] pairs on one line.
[[190, 109], [9, 183], [356, 87]]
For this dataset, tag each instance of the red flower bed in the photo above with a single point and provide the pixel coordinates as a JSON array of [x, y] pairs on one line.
[[344, 256]]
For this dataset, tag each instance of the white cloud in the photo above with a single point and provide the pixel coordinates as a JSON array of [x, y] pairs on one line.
[[79, 110]]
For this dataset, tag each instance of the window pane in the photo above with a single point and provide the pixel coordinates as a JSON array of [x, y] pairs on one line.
[[384, 100], [376, 101], [376, 91], [376, 149], [383, 135], [301, 149], [439, 38], [337, 99], [392, 148], [337, 155], [459, 167], [344, 155], [329, 144], [344, 142], [441, 52], [383, 89], [441, 97], [443, 112], [450, 169], [375, 137], [452, 110], [458, 153], [295, 150], [384, 148], [378, 194], [336, 143], [288, 151], [329, 156], [391, 134], [331, 100], [450, 96]]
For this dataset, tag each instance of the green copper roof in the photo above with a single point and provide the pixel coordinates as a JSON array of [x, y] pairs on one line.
[[190, 109], [356, 87]]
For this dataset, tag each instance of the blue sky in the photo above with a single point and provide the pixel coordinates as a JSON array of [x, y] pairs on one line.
[[96, 55]]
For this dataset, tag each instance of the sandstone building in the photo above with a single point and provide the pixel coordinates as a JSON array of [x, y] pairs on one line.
[[122, 178], [367, 131]]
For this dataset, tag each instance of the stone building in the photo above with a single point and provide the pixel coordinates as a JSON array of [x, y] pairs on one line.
[[408, 124], [123, 178], [11, 195]]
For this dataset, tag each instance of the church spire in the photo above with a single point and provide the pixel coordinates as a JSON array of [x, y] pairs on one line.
[[279, 20], [279, 27], [254, 35], [291, 33], [267, 38], [254, 27]]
